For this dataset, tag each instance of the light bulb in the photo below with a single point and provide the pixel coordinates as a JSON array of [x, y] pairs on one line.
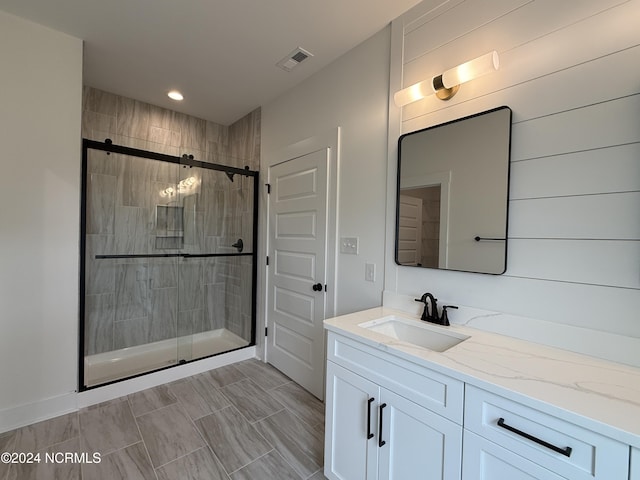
[[413, 93], [475, 68]]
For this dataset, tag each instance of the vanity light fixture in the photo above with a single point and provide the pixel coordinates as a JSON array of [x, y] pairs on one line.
[[175, 95], [168, 192], [183, 186], [446, 85], [186, 184]]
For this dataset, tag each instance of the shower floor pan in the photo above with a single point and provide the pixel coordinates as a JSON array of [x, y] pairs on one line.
[[126, 362]]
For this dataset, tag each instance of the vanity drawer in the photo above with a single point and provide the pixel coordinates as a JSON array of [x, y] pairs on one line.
[[439, 393], [484, 460], [555, 444]]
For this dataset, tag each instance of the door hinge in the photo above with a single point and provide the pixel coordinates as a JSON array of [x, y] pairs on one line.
[[268, 188], [267, 259], [265, 331]]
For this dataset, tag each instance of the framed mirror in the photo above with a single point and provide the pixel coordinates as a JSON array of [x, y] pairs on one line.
[[453, 193]]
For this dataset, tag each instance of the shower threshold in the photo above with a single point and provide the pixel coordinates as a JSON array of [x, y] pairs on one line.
[[126, 362]]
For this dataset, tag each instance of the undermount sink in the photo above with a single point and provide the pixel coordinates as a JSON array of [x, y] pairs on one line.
[[409, 331]]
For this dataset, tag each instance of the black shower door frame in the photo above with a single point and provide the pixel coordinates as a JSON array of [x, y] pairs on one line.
[[187, 160]]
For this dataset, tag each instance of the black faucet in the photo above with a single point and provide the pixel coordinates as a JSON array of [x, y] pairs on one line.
[[426, 316], [433, 315]]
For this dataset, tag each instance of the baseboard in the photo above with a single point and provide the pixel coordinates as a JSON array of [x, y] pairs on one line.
[[16, 417]]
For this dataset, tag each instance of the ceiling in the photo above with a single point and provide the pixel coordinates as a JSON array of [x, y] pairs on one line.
[[221, 54]]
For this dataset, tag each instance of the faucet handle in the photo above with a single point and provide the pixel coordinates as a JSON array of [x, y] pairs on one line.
[[445, 317]]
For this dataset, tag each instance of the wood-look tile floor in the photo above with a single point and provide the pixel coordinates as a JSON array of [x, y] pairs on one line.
[[245, 421]]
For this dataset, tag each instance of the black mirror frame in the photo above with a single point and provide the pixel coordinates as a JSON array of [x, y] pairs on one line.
[[399, 156]]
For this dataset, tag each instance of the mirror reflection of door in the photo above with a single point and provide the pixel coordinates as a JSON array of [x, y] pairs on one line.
[[424, 201], [410, 230], [420, 215]]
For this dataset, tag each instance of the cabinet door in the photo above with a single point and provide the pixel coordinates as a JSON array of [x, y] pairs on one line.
[[485, 460], [418, 444], [350, 417], [634, 473]]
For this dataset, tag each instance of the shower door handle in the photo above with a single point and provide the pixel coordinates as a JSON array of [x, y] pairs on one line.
[[317, 287]]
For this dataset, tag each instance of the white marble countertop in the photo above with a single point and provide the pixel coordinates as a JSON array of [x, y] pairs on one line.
[[599, 395]]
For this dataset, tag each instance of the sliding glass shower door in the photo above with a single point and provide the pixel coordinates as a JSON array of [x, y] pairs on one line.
[[215, 269], [167, 259]]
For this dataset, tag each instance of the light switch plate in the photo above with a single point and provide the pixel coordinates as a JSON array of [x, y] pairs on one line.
[[370, 272], [349, 245]]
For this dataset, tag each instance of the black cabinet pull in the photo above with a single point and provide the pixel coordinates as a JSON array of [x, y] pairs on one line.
[[317, 287], [369, 434], [564, 451], [381, 442]]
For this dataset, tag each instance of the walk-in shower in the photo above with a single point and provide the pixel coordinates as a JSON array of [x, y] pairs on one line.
[[168, 264]]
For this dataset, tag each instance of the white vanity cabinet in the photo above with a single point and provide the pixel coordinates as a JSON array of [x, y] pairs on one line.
[[490, 408], [378, 421], [506, 439]]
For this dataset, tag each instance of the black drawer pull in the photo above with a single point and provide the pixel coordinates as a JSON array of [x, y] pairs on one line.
[[564, 451], [381, 443], [369, 434]]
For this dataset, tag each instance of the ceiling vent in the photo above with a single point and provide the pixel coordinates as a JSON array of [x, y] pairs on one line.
[[294, 59]]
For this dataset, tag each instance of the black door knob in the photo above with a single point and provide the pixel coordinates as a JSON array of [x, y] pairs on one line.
[[317, 287]]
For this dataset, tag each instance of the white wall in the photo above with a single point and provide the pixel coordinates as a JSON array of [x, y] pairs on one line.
[[351, 94], [573, 82], [40, 97]]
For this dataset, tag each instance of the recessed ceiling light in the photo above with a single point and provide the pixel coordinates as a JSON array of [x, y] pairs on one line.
[[175, 95]]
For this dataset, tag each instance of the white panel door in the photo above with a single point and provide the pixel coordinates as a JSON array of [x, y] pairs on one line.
[[410, 230], [297, 268]]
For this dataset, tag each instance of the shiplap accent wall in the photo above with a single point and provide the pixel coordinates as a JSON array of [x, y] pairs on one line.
[[570, 71]]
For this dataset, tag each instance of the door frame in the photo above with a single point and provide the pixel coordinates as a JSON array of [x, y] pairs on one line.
[[328, 140]]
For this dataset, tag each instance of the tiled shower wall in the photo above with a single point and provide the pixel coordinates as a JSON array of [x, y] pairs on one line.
[[131, 302], [140, 125]]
